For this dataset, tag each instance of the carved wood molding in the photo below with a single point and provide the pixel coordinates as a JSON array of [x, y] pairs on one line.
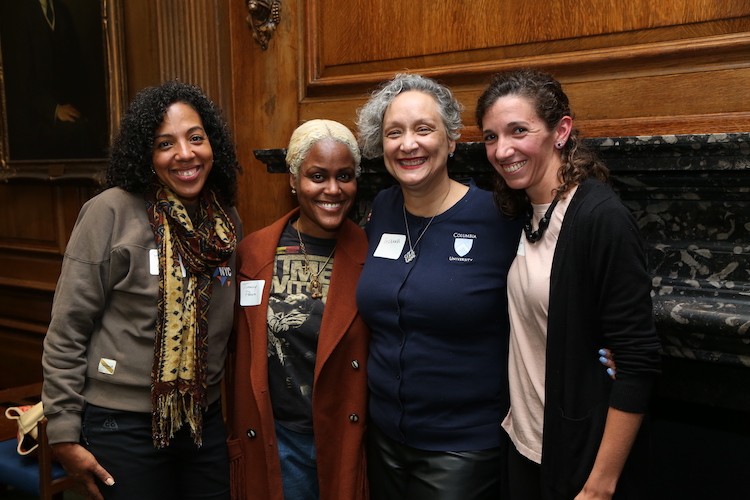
[[729, 51]]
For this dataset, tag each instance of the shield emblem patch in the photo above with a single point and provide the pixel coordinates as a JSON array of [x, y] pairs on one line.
[[462, 246]]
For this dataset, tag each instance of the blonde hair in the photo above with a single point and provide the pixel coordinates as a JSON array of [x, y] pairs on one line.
[[311, 132]]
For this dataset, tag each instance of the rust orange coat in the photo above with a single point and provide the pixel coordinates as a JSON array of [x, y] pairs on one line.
[[340, 381]]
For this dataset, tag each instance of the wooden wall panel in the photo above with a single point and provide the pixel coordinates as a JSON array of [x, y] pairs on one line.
[[352, 32], [631, 66], [185, 39], [266, 109], [21, 359], [35, 224]]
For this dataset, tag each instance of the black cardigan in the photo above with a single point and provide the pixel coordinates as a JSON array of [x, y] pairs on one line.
[[599, 297]]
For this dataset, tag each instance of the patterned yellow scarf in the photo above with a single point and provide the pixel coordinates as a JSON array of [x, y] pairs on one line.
[[189, 251]]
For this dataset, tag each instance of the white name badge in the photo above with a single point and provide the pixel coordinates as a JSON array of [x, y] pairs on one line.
[[251, 292], [153, 262], [390, 246]]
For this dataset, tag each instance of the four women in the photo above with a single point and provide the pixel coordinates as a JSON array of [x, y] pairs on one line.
[[134, 354]]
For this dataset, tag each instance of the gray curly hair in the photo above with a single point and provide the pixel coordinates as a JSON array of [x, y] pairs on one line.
[[370, 116], [310, 133]]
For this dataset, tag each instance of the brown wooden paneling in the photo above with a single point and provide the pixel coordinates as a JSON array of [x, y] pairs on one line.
[[266, 107], [20, 358], [141, 44], [36, 219], [28, 220], [628, 67], [185, 39], [355, 31], [25, 309]]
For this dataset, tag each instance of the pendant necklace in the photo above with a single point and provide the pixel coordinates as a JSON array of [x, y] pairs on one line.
[[316, 291], [534, 236], [411, 254]]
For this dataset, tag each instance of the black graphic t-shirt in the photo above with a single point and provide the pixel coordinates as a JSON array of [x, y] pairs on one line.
[[294, 319]]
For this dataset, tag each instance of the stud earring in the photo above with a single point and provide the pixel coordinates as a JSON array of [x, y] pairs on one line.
[[450, 155], [559, 145], [294, 191]]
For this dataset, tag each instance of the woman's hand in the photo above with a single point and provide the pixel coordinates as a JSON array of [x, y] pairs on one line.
[[607, 358], [79, 463]]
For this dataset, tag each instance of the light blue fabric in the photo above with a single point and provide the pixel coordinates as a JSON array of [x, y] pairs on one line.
[[299, 472]]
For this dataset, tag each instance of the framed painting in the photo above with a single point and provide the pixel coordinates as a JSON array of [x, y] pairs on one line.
[[62, 89]]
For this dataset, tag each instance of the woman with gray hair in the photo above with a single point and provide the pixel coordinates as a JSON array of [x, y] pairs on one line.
[[433, 294], [299, 392]]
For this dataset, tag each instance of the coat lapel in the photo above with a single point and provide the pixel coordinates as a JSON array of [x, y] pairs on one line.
[[341, 303]]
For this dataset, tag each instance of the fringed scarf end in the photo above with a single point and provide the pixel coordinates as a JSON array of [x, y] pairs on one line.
[[170, 412]]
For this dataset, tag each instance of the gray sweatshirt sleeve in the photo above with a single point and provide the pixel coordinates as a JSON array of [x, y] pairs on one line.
[[79, 300]]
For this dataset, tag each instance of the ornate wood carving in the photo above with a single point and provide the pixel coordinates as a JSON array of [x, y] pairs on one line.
[[263, 18]]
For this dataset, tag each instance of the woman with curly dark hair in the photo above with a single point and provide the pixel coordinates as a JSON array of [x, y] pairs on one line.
[[577, 282], [143, 310]]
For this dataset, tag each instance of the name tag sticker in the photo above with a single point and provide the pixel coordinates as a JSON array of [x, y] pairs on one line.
[[251, 292], [153, 262], [390, 246]]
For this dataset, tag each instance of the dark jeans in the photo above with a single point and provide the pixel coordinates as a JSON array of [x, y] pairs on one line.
[[121, 442], [400, 472]]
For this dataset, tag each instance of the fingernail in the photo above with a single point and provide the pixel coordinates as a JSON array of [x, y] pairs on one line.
[[603, 360], [602, 352], [109, 481], [610, 372]]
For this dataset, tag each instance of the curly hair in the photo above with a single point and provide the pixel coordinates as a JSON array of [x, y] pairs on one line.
[[551, 105], [130, 165], [370, 116], [310, 133]]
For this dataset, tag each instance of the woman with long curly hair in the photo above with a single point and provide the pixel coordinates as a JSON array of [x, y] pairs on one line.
[[143, 310], [578, 281]]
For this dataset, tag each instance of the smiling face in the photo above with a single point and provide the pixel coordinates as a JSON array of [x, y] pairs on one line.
[[522, 149], [182, 156], [415, 141], [326, 187]]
